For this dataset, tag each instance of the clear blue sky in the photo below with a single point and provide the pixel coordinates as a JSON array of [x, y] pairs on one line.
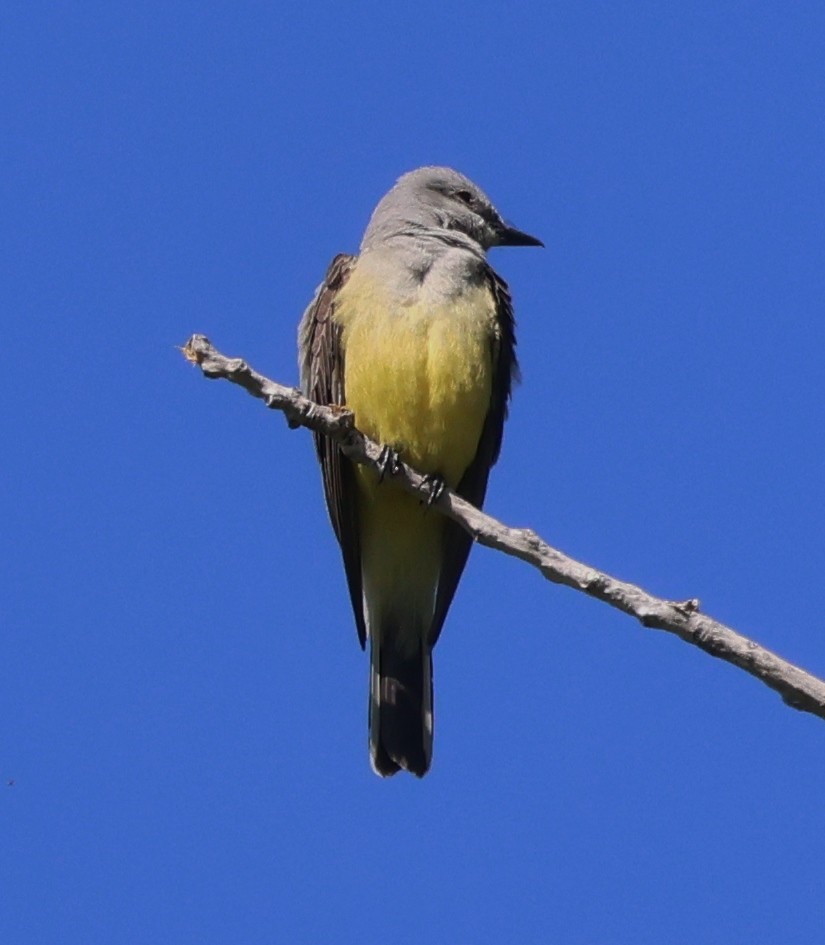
[[182, 696]]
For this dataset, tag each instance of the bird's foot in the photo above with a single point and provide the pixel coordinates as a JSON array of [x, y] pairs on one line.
[[432, 488], [388, 462]]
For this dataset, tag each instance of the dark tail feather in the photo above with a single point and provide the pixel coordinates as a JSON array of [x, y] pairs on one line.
[[401, 708]]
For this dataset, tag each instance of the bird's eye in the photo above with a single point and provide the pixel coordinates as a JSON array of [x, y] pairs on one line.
[[464, 196]]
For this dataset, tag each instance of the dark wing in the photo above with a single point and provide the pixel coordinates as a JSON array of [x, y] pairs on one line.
[[473, 486], [322, 380]]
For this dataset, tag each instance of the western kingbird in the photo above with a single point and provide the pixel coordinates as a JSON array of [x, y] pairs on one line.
[[415, 335]]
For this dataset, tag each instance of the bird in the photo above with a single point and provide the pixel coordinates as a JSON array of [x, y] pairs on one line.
[[416, 336]]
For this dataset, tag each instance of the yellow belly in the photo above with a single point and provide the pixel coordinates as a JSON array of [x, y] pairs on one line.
[[418, 378]]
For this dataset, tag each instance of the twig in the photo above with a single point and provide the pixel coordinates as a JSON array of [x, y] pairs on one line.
[[798, 688]]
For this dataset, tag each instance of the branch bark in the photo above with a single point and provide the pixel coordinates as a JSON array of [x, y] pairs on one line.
[[798, 689]]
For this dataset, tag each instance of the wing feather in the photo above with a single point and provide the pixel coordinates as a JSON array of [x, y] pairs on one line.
[[321, 358]]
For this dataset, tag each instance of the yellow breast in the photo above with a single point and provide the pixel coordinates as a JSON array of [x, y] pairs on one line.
[[418, 374]]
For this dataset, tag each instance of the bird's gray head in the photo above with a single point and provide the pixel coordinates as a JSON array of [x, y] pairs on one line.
[[439, 199]]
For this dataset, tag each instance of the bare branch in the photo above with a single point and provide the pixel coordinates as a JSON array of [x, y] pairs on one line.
[[798, 688]]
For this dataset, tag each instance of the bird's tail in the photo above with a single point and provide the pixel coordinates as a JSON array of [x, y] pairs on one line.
[[401, 706]]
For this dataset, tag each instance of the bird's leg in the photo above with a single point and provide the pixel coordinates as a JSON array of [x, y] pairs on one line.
[[432, 488], [388, 462]]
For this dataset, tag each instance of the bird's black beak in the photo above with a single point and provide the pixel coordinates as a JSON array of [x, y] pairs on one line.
[[510, 236]]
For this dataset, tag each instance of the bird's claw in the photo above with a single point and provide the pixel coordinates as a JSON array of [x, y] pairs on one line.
[[433, 488], [388, 462]]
